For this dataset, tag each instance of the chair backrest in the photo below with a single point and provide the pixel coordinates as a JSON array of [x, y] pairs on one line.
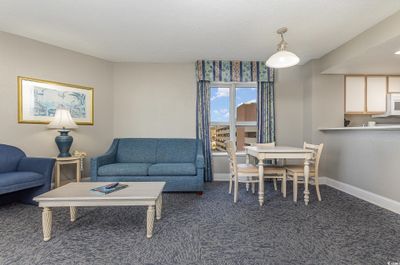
[[231, 150], [317, 149], [156, 150], [9, 158]]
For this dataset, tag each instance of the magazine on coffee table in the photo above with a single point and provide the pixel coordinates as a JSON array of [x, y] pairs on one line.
[[109, 188]]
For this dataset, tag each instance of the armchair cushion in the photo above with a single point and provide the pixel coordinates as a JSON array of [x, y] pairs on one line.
[[172, 169], [14, 181], [124, 169]]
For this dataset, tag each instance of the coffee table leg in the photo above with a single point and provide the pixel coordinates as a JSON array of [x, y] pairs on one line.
[[46, 222], [73, 211], [159, 207], [150, 221]]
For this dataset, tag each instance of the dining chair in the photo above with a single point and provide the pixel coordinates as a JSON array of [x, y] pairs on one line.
[[248, 173], [244, 173], [296, 172]]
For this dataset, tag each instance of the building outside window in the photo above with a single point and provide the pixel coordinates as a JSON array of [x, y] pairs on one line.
[[233, 110]]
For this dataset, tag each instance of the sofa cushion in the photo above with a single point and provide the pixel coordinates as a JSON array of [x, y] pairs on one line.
[[172, 169], [136, 150], [9, 158], [124, 169], [176, 150], [19, 180]]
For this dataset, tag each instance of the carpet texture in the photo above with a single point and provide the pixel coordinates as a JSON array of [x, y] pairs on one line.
[[209, 229]]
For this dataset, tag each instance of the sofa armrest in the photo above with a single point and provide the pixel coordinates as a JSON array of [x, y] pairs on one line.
[[105, 159], [199, 156], [42, 166]]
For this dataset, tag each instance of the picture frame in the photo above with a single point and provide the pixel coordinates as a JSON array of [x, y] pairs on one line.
[[38, 100]]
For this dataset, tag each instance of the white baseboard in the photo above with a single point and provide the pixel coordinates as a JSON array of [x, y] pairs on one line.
[[368, 196]]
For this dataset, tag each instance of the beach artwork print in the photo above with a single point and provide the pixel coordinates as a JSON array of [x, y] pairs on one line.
[[39, 99]]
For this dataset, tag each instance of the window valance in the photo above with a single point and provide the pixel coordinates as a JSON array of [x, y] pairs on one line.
[[233, 71]]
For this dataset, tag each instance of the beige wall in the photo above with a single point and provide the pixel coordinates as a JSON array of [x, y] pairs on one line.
[[289, 106], [154, 100], [24, 57]]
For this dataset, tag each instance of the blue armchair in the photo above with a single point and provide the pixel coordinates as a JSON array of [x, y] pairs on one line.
[[22, 178]]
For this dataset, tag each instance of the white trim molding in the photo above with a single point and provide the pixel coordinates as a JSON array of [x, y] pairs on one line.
[[368, 196]]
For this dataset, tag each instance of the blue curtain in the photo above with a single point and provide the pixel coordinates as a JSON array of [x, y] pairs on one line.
[[234, 71], [265, 112], [203, 125]]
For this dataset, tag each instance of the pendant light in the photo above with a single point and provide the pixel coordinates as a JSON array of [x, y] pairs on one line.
[[282, 58]]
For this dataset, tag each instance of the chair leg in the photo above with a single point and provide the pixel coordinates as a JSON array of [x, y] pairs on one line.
[[253, 187], [275, 184], [316, 183], [247, 186], [295, 187], [235, 190], [283, 185], [230, 184]]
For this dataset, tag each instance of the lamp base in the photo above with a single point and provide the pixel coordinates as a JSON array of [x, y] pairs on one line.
[[64, 142]]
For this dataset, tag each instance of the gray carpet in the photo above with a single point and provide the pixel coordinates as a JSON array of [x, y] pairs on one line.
[[209, 230]]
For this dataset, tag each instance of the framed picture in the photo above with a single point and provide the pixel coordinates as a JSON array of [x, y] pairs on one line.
[[38, 101]]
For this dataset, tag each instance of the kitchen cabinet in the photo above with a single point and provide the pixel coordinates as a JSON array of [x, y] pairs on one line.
[[376, 94], [355, 94], [365, 94], [394, 84]]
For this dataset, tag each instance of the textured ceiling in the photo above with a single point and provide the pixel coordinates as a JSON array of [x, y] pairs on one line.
[[186, 30]]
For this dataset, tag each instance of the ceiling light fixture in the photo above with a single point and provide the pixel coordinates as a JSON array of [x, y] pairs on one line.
[[397, 53], [282, 58]]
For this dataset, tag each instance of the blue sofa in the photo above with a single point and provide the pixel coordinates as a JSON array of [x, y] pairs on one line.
[[178, 162], [22, 178]]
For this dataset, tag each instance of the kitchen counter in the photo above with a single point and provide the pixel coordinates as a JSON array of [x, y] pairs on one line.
[[366, 128]]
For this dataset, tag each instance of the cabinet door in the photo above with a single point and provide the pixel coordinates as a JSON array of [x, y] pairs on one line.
[[394, 84], [376, 94], [355, 94]]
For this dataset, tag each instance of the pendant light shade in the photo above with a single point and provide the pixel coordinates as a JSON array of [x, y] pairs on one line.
[[282, 58]]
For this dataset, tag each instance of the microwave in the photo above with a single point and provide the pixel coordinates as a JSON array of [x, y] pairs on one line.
[[392, 105]]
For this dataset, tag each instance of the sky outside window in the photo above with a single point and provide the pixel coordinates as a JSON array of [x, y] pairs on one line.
[[219, 104], [220, 101], [245, 95]]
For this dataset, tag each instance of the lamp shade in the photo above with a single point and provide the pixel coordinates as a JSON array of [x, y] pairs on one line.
[[282, 59], [62, 120]]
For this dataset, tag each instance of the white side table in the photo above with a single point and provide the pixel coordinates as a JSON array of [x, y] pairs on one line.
[[77, 160]]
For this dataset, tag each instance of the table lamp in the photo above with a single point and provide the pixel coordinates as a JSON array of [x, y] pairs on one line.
[[63, 121]]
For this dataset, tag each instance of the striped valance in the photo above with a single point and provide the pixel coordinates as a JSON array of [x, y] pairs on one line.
[[233, 71]]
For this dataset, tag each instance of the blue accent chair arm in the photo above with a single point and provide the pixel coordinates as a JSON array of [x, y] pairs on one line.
[[199, 156], [43, 166], [105, 159]]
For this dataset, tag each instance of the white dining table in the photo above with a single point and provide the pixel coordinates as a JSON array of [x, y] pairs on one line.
[[279, 152]]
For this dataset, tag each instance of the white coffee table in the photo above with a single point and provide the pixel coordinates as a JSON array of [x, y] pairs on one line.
[[74, 195]]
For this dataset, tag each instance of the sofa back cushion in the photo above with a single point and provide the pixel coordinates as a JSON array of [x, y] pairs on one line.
[[136, 150], [9, 158], [176, 150]]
